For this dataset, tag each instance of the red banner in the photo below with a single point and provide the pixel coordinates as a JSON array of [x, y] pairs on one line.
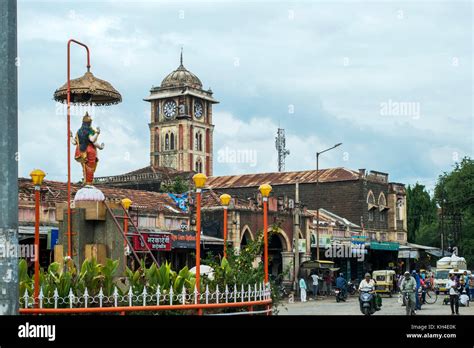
[[155, 242]]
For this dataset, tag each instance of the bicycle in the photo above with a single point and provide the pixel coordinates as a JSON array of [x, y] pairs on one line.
[[431, 296]]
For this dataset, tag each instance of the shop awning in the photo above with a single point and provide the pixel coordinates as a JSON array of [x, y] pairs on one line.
[[323, 264]]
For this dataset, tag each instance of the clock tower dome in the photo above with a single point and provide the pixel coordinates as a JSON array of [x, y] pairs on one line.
[[181, 123]]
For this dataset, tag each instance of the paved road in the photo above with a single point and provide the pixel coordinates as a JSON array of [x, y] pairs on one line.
[[329, 306]]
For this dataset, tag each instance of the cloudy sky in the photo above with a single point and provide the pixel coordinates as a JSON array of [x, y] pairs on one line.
[[391, 80]]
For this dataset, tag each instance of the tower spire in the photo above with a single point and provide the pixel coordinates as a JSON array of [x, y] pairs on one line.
[[181, 57]]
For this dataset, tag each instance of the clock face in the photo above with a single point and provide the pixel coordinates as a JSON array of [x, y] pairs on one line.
[[169, 109], [197, 109]]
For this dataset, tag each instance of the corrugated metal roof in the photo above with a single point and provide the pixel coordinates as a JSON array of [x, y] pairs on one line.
[[56, 192], [282, 178]]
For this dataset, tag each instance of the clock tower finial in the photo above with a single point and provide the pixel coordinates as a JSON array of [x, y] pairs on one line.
[[181, 58]]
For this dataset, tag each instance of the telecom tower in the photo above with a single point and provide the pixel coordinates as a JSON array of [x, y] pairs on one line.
[[282, 151]]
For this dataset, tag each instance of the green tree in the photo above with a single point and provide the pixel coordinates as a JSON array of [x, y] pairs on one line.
[[421, 212], [177, 185], [454, 192]]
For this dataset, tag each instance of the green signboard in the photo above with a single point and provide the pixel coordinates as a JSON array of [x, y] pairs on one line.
[[384, 246]]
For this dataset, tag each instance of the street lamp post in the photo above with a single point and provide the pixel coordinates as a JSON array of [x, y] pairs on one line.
[[126, 203], [225, 200], [317, 196], [199, 182], [37, 177], [265, 190]]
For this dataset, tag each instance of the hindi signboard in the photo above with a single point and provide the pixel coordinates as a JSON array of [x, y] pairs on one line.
[[155, 241]]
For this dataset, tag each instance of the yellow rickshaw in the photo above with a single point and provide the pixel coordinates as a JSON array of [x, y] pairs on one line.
[[384, 281]]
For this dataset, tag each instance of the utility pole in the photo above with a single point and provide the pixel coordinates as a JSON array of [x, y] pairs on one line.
[[8, 159], [296, 231]]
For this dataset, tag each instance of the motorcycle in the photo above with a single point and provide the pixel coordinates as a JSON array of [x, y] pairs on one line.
[[340, 296], [367, 301], [351, 288]]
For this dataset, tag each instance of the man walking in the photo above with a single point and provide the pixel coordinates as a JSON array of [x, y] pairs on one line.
[[315, 279], [452, 285]]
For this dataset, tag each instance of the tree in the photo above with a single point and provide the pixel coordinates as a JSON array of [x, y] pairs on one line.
[[177, 185], [454, 193], [421, 212]]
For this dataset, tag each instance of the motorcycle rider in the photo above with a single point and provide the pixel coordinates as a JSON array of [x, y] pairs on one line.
[[368, 282], [408, 285], [341, 283]]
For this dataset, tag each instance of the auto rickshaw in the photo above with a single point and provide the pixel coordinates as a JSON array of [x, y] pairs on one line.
[[384, 281]]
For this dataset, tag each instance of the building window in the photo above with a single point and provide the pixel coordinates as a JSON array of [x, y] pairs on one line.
[[382, 216], [198, 141], [401, 236], [371, 215], [399, 210], [370, 198], [199, 166], [172, 141], [167, 142], [382, 200]]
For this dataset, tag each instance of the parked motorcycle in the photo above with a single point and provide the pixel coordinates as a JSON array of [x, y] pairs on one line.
[[367, 301], [351, 288]]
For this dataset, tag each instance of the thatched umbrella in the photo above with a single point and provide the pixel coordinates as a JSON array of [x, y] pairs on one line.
[[88, 89]]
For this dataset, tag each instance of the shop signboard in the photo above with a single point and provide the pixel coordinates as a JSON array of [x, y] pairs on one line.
[[155, 242]]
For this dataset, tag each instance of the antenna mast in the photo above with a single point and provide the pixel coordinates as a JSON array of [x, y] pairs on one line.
[[280, 147]]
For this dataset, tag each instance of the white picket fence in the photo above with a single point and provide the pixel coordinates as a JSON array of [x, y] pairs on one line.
[[234, 294]]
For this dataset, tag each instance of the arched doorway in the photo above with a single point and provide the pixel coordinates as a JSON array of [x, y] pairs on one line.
[[246, 237], [276, 245]]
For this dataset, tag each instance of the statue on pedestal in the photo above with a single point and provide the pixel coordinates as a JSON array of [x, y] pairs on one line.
[[86, 148]]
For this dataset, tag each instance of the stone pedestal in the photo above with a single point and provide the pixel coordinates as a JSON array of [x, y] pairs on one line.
[[89, 228]]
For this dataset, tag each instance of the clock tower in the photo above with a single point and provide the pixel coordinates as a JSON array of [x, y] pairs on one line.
[[181, 123]]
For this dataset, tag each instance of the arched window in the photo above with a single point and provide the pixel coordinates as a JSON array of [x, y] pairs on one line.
[[200, 141], [199, 166], [172, 141], [382, 200], [167, 141], [196, 142], [370, 198]]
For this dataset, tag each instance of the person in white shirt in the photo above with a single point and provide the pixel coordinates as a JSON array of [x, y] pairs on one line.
[[367, 282], [452, 285], [315, 279]]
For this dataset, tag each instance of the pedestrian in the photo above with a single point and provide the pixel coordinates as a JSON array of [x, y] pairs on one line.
[[467, 279], [315, 279], [418, 285], [303, 289], [452, 285]]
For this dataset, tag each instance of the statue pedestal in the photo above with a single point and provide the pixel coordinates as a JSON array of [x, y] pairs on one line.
[[94, 232]]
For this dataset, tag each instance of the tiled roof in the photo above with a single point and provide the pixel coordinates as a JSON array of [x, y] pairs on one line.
[[56, 192], [282, 178]]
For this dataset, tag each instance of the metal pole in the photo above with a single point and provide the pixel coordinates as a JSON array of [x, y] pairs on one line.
[[69, 233], [37, 244], [198, 245], [225, 232], [265, 237], [317, 206], [8, 158]]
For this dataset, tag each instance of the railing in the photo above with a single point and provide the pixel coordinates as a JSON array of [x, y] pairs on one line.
[[127, 178], [233, 297]]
